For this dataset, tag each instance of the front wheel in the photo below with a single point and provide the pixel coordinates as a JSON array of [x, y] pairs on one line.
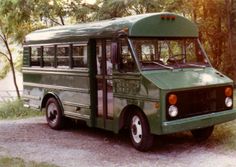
[[140, 133], [203, 133], [54, 114]]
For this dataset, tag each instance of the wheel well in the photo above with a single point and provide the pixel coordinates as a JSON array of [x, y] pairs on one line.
[[126, 115], [48, 96]]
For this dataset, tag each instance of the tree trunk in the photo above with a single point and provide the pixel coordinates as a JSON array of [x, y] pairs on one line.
[[14, 79], [62, 20], [12, 67], [219, 42]]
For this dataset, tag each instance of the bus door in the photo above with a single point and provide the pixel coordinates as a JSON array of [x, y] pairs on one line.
[[104, 81]]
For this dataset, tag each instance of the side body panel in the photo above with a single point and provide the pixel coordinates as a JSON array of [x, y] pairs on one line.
[[72, 87], [135, 90]]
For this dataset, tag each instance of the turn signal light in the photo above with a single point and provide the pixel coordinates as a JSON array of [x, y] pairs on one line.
[[228, 91], [172, 99]]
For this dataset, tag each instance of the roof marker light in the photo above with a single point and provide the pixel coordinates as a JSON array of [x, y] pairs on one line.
[[168, 17], [173, 17]]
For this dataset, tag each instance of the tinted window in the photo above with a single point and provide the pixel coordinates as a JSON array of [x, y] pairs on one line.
[[79, 56], [63, 55], [48, 55], [35, 56], [127, 63], [109, 65]]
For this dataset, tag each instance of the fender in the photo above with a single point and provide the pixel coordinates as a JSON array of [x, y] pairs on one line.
[[47, 96]]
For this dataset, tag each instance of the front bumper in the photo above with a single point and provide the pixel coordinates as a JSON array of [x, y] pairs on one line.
[[198, 121]]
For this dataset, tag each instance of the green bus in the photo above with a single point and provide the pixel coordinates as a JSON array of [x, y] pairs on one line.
[[147, 73]]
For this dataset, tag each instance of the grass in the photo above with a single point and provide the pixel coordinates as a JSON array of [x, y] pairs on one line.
[[16, 110], [18, 162]]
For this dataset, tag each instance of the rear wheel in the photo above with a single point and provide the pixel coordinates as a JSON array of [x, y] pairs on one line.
[[203, 133], [54, 114], [140, 133]]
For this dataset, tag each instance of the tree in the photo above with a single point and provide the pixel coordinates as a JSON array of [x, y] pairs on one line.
[[211, 18], [111, 9], [81, 12], [231, 23], [14, 16], [119, 8], [50, 12]]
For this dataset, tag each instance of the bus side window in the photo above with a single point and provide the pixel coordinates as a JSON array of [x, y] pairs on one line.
[[63, 56], [35, 56], [109, 64], [127, 63], [48, 56], [99, 58], [80, 56]]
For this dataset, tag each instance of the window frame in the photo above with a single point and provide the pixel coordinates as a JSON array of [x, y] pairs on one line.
[[39, 56], [57, 57], [54, 55], [72, 54], [70, 45], [208, 64], [131, 50]]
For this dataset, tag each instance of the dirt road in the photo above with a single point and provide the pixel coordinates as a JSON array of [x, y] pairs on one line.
[[32, 139]]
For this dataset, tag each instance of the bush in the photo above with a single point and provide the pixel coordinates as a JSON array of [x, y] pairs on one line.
[[15, 110]]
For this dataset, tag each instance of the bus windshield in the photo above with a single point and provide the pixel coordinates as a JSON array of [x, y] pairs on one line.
[[169, 53]]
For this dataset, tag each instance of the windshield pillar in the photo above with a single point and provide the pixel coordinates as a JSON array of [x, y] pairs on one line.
[[203, 51], [134, 55]]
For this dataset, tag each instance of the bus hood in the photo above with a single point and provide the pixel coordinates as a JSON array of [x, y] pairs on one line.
[[186, 78]]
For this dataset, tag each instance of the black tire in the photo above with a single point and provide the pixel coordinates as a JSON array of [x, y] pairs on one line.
[[54, 114], [140, 134], [203, 133]]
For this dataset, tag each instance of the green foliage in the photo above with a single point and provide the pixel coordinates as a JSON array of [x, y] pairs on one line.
[[5, 67], [111, 9], [18, 162], [82, 12], [15, 16], [15, 23], [18, 62], [16, 110]]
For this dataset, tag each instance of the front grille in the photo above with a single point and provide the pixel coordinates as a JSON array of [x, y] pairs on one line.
[[198, 102]]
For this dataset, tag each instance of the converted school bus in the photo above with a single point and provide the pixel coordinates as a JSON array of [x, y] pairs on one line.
[[148, 73]]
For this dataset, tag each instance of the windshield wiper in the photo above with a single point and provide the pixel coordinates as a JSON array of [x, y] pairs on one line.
[[196, 65], [162, 65]]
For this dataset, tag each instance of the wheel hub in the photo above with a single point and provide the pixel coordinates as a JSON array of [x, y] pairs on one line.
[[136, 129], [52, 113]]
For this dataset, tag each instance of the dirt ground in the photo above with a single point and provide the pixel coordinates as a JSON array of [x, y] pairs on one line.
[[78, 146]]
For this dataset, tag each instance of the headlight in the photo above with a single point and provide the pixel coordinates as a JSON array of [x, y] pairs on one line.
[[228, 101], [173, 111]]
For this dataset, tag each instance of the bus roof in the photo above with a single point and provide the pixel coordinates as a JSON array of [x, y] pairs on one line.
[[145, 25]]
